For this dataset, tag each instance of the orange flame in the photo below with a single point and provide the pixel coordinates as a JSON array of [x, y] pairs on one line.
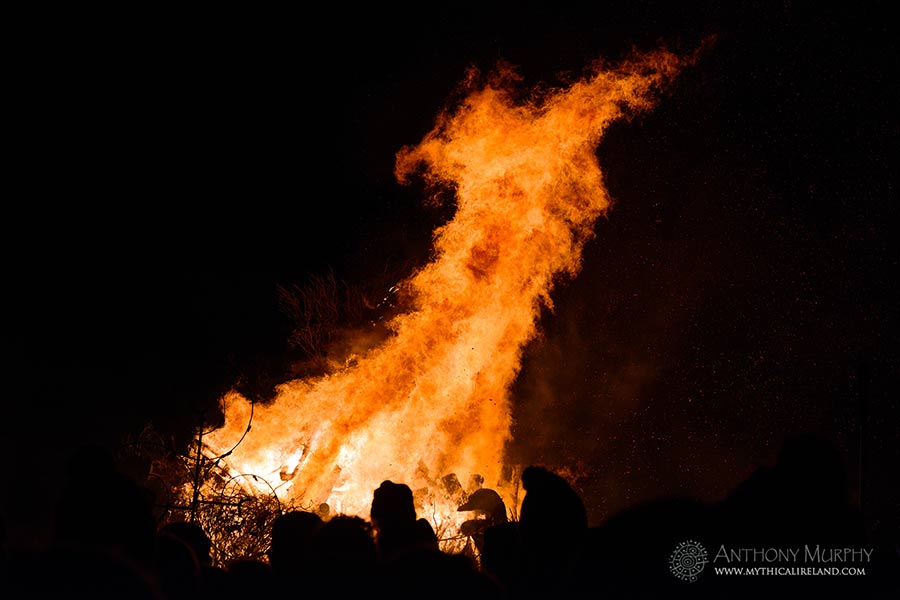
[[434, 398]]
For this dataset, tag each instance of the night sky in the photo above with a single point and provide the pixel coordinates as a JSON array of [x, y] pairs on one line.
[[170, 171]]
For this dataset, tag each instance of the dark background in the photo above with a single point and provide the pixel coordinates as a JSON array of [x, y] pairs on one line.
[[169, 170]]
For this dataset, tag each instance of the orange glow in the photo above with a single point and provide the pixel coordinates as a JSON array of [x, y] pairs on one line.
[[434, 398]]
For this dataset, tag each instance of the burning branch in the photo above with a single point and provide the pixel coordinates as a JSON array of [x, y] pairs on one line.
[[334, 320], [191, 486]]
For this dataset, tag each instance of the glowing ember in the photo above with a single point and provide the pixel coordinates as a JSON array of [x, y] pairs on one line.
[[433, 399]]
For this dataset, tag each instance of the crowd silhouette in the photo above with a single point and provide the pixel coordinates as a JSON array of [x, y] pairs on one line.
[[106, 543]]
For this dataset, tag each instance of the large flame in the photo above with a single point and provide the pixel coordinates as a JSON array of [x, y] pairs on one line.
[[434, 398]]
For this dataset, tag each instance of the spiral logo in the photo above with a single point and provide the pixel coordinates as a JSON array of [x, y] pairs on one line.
[[688, 560]]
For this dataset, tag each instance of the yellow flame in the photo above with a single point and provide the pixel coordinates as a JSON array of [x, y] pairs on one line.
[[434, 398]]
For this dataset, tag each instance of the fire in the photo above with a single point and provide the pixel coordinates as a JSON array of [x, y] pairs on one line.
[[434, 398]]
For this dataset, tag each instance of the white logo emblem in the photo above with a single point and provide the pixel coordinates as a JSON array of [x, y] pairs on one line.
[[687, 560]]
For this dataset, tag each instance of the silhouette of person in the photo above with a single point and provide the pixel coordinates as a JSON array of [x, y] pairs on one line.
[[437, 575], [552, 526], [212, 578], [177, 569], [289, 549], [194, 536], [343, 556], [397, 528], [248, 578], [489, 510]]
